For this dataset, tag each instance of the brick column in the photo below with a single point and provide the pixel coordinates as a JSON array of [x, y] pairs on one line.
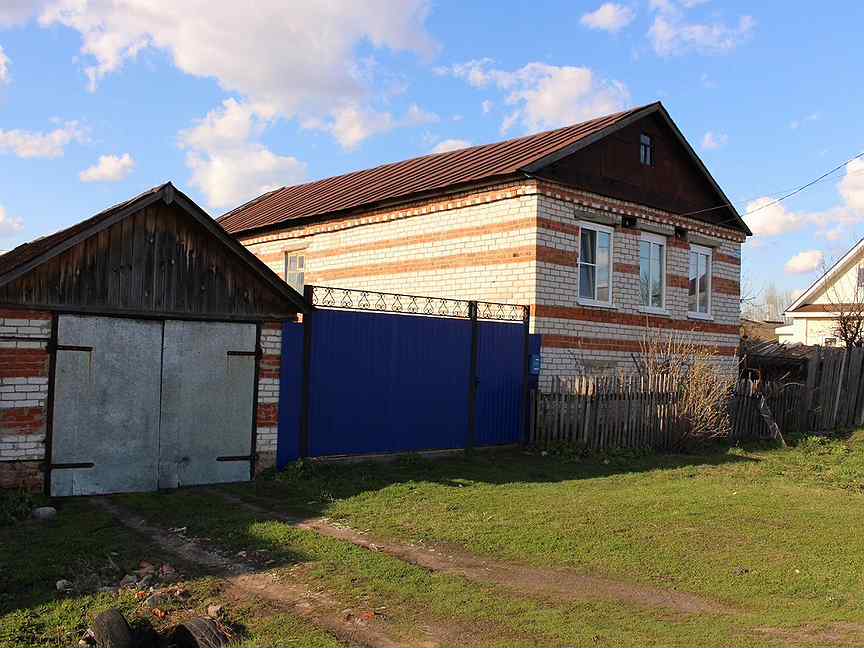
[[24, 366], [267, 418]]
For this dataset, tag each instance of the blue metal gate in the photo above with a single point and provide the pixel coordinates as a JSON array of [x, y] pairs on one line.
[[378, 373]]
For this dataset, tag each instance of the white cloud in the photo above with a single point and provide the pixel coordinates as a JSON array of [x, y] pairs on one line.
[[672, 34], [297, 56], [228, 165], [609, 17], [487, 106], [109, 168], [17, 12], [545, 96], [797, 123], [33, 144], [767, 218], [4, 67], [9, 225], [712, 141], [350, 124], [852, 185], [804, 262], [450, 145]]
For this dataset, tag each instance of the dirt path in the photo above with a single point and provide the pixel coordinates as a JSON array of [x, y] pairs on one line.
[[243, 580], [553, 584]]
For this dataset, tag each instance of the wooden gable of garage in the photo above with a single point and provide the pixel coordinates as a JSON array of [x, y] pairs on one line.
[[158, 254]]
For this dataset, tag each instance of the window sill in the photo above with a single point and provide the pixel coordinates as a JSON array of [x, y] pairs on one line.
[[653, 310], [708, 317], [593, 303]]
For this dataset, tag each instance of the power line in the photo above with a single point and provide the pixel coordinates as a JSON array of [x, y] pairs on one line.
[[781, 198]]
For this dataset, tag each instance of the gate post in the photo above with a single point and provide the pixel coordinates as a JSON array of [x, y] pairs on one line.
[[308, 318], [472, 377], [526, 372]]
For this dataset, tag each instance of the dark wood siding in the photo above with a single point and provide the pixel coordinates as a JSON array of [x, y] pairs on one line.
[[612, 167], [157, 261]]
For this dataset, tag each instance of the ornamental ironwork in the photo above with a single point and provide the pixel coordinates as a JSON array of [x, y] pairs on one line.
[[370, 300]]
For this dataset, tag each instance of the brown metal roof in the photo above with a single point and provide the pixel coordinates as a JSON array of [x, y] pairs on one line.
[[421, 175]]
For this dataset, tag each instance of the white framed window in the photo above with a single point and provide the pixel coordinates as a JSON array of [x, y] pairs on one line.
[[295, 270], [652, 271], [595, 263], [699, 297]]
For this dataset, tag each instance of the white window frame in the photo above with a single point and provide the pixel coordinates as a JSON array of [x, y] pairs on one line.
[[596, 227], [709, 269], [657, 239], [295, 253]]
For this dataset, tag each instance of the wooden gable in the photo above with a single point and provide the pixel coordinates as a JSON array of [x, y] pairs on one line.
[[158, 258], [676, 181]]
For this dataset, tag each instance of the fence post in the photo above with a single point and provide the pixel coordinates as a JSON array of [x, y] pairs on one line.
[[307, 363], [472, 376], [526, 373]]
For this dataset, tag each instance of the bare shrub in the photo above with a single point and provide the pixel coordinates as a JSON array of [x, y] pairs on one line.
[[704, 387]]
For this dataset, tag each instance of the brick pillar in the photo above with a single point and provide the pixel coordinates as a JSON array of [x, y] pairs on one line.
[[267, 418], [24, 366]]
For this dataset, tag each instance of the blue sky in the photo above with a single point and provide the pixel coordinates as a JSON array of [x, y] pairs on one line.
[[102, 99]]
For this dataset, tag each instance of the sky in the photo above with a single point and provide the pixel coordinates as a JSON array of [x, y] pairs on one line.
[[102, 99]]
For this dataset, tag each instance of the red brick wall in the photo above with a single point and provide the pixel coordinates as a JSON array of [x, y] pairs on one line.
[[267, 414], [24, 367]]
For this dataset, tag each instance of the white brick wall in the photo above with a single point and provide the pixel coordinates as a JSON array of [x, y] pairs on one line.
[[498, 249]]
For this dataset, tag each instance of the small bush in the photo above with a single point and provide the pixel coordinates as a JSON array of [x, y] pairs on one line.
[[14, 506]]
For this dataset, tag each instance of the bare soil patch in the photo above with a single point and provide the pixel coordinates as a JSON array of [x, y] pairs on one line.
[[552, 584], [282, 590]]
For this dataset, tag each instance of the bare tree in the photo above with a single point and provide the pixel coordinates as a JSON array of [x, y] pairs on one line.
[[704, 386]]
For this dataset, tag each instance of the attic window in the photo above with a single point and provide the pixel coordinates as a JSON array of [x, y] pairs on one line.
[[860, 276], [646, 150]]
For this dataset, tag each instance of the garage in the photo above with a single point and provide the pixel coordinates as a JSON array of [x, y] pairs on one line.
[[139, 350]]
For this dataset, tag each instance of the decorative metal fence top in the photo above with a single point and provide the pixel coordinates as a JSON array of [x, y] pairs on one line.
[[370, 300]]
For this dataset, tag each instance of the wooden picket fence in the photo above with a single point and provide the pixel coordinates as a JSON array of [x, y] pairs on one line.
[[605, 412], [835, 389]]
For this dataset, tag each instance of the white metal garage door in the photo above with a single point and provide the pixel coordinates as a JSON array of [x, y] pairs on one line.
[[142, 404]]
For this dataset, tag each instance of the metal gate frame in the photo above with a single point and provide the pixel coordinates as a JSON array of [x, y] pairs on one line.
[[49, 466], [473, 311]]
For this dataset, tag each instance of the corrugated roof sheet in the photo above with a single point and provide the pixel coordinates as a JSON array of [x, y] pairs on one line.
[[410, 177]]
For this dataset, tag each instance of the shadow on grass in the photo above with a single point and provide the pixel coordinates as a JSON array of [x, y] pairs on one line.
[[308, 487]]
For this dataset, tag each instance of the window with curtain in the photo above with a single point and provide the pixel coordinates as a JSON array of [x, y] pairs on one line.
[[652, 270], [595, 263], [295, 269], [700, 281]]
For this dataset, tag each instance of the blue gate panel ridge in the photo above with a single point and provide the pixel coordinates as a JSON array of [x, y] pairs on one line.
[[500, 383], [388, 383]]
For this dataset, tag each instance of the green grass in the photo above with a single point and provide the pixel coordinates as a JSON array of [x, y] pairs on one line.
[[90, 549], [413, 596], [774, 533]]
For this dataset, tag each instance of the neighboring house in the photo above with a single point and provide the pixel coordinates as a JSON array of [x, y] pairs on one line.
[[837, 293], [602, 228]]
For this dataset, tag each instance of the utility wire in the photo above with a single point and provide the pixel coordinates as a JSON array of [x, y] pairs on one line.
[[781, 198]]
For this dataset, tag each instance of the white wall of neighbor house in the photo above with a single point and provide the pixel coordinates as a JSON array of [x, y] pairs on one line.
[[520, 243], [847, 287]]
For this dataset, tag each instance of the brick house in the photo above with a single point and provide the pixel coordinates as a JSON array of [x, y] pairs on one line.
[[603, 228]]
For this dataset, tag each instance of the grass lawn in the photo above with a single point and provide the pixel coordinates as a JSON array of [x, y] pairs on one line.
[[771, 535], [88, 548]]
